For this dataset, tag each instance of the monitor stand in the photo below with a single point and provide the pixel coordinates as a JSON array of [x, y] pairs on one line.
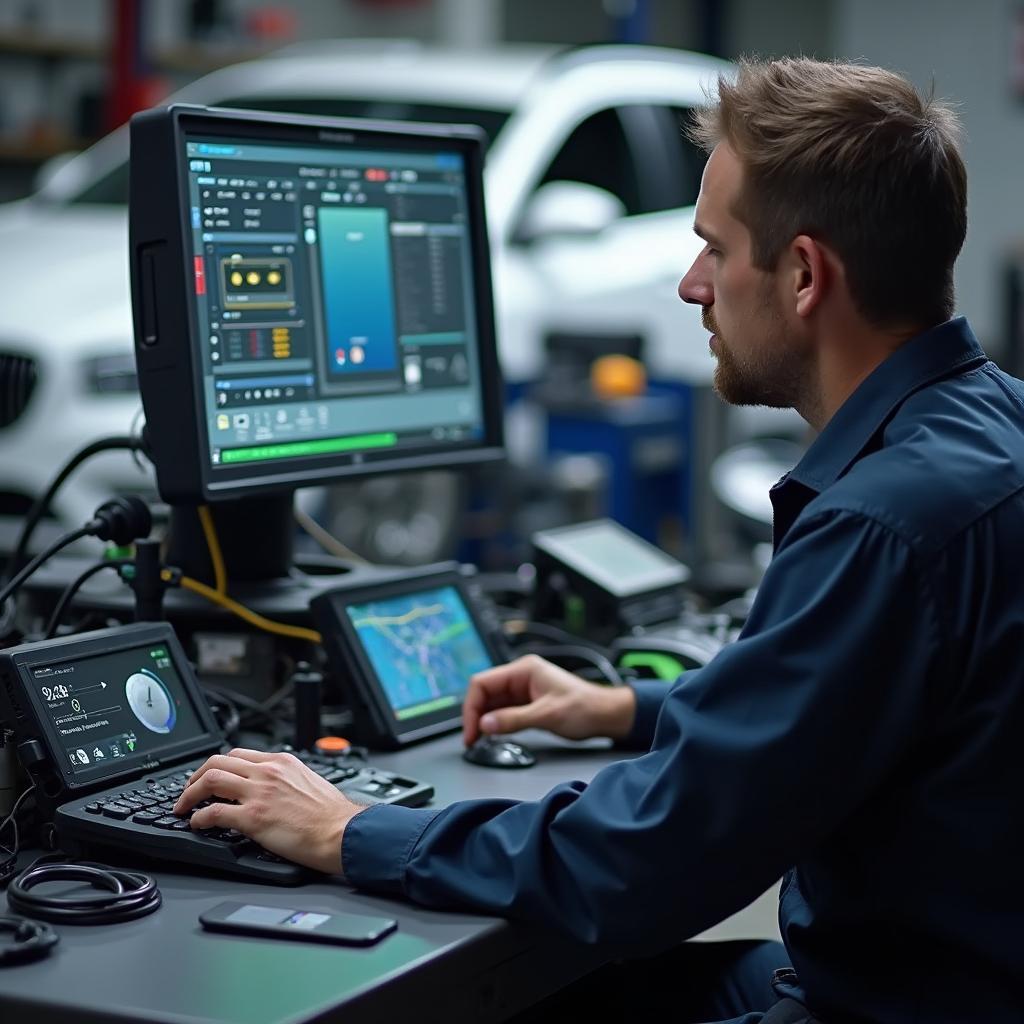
[[256, 537]]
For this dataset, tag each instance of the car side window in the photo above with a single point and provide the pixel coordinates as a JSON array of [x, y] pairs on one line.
[[637, 152], [692, 157], [597, 153]]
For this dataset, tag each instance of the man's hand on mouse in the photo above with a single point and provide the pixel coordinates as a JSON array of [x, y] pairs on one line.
[[531, 693], [279, 802]]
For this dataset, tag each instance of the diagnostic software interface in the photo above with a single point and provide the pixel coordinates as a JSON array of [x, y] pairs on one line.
[[334, 299], [111, 708]]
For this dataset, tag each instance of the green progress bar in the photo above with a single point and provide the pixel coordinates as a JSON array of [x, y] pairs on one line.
[[294, 449], [424, 709], [435, 338]]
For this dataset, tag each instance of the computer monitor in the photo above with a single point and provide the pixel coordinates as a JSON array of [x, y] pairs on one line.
[[311, 301]]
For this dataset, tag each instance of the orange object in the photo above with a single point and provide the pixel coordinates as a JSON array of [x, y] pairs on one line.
[[332, 745], [618, 376]]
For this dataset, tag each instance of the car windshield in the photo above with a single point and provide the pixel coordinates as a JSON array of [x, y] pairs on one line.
[[112, 188]]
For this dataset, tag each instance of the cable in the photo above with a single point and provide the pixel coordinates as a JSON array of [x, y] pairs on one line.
[[244, 707], [73, 587], [8, 613], [9, 862], [253, 618], [599, 661], [219, 699], [61, 542], [548, 632], [129, 895], [326, 540], [42, 503], [32, 940], [220, 576]]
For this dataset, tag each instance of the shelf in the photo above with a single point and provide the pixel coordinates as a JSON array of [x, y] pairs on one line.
[[35, 44], [198, 60], [28, 152], [186, 59]]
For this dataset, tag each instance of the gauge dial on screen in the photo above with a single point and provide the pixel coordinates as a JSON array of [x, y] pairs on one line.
[[151, 701]]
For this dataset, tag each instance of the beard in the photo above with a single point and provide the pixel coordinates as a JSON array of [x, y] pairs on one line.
[[774, 373]]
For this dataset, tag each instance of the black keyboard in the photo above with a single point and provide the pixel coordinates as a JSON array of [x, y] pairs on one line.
[[138, 819]]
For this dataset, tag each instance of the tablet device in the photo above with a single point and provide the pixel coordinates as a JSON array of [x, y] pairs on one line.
[[406, 648]]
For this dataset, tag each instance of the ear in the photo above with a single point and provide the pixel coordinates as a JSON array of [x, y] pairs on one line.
[[809, 273]]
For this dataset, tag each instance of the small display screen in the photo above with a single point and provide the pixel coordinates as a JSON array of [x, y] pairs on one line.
[[423, 647], [110, 708], [251, 914], [615, 558]]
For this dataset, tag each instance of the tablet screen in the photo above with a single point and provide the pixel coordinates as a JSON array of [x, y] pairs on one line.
[[423, 647]]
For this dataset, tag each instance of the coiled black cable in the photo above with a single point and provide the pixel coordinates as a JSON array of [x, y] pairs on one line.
[[129, 895], [30, 940]]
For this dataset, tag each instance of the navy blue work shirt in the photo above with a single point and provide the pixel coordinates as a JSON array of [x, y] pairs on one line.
[[863, 737]]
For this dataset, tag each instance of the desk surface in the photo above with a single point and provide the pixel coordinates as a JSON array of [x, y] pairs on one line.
[[445, 967]]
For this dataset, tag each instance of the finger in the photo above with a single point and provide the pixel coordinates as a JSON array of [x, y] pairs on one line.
[[257, 756], [215, 782], [512, 719], [506, 684], [221, 816], [225, 762]]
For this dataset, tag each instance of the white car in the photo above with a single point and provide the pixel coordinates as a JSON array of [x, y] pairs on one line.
[[589, 188]]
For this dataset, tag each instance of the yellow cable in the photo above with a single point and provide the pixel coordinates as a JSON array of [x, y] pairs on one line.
[[220, 576], [269, 626]]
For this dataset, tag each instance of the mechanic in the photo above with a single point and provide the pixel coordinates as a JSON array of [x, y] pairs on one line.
[[863, 736]]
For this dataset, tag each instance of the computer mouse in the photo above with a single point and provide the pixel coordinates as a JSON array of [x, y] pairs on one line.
[[492, 752]]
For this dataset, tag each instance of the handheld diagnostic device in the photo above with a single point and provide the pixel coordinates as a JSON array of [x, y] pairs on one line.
[[406, 647]]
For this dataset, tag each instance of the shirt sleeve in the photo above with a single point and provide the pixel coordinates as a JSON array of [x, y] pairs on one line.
[[755, 760], [650, 695]]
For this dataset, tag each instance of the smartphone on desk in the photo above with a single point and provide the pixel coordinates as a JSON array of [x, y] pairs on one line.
[[290, 923]]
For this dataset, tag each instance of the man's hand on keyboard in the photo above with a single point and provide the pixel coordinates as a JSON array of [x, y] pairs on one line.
[[277, 801]]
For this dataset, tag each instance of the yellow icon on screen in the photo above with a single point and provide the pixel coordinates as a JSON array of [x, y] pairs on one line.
[[223, 422], [274, 277], [236, 278], [252, 278]]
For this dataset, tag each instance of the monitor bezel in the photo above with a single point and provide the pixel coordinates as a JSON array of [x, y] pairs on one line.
[[184, 471]]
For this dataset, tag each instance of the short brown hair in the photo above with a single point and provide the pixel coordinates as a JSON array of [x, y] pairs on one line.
[[854, 156]]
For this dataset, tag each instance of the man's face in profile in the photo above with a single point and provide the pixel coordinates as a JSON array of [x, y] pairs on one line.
[[758, 362]]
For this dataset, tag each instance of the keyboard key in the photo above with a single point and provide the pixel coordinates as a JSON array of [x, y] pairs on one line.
[[117, 811], [168, 821], [146, 817], [94, 808], [182, 825]]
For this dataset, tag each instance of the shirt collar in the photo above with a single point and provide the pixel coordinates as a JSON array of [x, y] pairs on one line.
[[939, 352]]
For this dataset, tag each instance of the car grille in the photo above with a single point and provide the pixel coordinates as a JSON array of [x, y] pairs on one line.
[[18, 377]]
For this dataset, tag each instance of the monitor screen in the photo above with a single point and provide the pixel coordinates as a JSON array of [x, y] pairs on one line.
[[423, 647], [338, 315]]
